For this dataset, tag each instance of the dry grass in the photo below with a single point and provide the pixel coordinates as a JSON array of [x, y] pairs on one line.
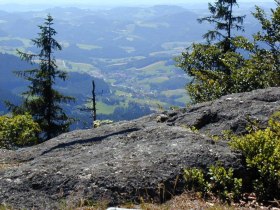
[[185, 201]]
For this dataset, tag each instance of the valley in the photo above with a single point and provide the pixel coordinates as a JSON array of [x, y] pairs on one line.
[[128, 51]]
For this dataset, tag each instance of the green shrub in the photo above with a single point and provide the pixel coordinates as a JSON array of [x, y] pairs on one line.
[[261, 149], [224, 184], [195, 180], [18, 131], [218, 181]]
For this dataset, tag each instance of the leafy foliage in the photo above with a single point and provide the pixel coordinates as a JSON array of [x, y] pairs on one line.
[[18, 131], [203, 63], [261, 149], [244, 66], [269, 37], [42, 101], [195, 180], [217, 181], [224, 184], [207, 63]]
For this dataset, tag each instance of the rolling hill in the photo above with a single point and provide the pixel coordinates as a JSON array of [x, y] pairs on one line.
[[129, 49]]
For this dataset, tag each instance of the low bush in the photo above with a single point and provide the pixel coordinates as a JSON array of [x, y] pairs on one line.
[[261, 150], [218, 181], [18, 131]]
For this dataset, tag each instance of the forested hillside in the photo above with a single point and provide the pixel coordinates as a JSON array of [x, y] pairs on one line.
[[78, 85], [131, 48], [84, 68], [108, 44]]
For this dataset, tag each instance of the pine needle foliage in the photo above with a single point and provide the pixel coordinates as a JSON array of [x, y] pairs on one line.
[[41, 100], [225, 22]]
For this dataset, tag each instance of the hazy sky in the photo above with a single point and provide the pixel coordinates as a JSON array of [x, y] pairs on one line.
[[95, 2], [114, 2], [27, 5]]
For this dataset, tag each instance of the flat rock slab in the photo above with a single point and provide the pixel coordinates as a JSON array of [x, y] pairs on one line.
[[125, 161]]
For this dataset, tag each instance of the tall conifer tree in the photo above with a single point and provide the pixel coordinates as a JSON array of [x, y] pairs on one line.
[[208, 62], [225, 22], [42, 101]]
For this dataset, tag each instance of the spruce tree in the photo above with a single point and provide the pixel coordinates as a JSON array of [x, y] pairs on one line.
[[41, 100], [225, 22], [211, 64], [218, 68]]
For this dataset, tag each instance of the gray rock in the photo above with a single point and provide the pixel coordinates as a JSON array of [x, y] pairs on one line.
[[232, 112], [126, 161]]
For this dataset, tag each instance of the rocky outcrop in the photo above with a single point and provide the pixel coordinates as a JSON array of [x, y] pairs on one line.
[[232, 112], [126, 161]]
